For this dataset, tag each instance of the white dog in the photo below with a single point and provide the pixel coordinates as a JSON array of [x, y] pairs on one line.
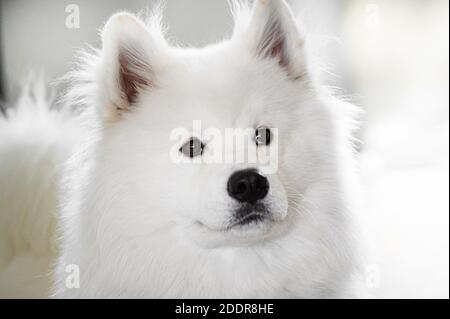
[[135, 222]]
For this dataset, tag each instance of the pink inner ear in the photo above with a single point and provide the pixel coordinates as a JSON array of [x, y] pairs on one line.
[[278, 51], [273, 44], [134, 74]]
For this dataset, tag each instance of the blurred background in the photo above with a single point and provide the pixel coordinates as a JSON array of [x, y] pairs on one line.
[[390, 57]]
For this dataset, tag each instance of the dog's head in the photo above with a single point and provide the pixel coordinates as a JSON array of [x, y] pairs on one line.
[[173, 116]]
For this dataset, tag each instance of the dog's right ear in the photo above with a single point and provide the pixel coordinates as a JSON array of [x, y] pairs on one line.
[[129, 55]]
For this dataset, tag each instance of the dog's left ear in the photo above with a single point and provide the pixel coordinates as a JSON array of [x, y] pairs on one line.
[[273, 33], [129, 61]]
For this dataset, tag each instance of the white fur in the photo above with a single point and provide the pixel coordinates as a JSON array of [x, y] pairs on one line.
[[34, 142], [139, 225]]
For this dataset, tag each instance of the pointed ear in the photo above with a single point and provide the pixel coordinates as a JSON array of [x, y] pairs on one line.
[[273, 33], [128, 62]]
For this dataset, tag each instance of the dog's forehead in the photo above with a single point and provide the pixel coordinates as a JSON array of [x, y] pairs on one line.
[[209, 72], [204, 115], [227, 75], [219, 87], [206, 87]]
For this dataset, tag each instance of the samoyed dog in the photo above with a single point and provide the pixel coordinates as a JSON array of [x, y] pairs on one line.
[[147, 208]]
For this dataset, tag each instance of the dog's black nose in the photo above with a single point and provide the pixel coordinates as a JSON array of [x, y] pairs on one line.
[[247, 186]]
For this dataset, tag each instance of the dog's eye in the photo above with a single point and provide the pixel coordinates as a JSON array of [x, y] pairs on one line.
[[192, 148], [262, 136]]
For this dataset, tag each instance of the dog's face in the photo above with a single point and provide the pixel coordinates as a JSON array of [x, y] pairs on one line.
[[167, 154]]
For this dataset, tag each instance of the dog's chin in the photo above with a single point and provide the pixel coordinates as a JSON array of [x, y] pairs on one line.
[[253, 228]]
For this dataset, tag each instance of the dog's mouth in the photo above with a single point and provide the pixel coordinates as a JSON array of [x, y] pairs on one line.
[[253, 218], [247, 215], [247, 224]]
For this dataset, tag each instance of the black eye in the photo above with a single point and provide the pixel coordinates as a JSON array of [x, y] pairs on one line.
[[262, 136], [192, 148]]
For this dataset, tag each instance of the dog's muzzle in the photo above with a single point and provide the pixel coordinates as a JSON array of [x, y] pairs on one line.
[[248, 187]]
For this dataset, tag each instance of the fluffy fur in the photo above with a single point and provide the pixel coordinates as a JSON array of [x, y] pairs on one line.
[[35, 139], [139, 225]]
